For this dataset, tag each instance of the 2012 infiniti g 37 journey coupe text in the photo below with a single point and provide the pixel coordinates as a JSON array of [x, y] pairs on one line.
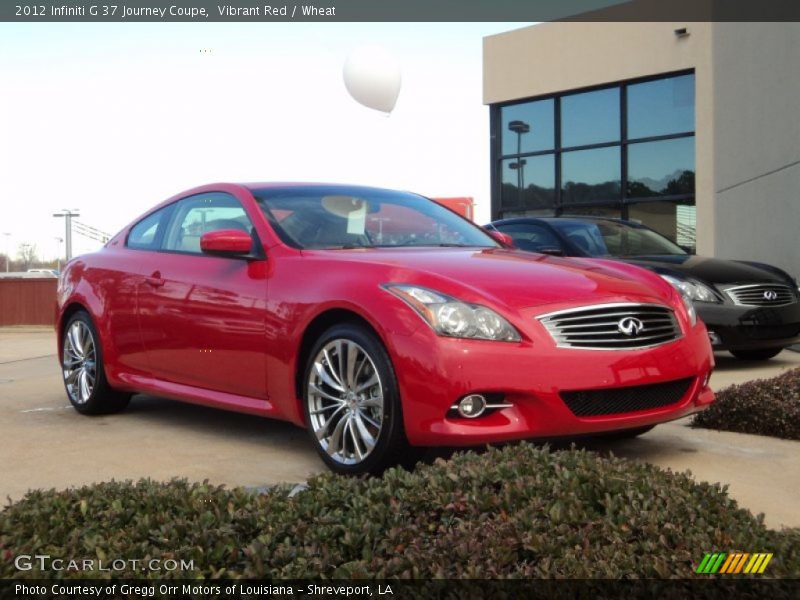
[[377, 319]]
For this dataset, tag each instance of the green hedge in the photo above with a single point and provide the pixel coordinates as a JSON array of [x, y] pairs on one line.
[[763, 407], [519, 511]]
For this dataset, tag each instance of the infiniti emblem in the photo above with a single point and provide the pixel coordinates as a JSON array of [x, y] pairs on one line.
[[770, 295], [630, 326]]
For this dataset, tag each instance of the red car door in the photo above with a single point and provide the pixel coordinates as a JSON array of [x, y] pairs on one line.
[[202, 317]]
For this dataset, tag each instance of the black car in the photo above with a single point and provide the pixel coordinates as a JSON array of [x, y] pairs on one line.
[[750, 309]]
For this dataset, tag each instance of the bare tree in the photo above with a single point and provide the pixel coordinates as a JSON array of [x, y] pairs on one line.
[[27, 255]]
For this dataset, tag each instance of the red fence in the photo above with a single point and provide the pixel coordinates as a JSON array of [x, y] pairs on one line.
[[27, 301]]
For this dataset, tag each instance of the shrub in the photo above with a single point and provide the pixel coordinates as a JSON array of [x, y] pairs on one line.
[[519, 511], [764, 407]]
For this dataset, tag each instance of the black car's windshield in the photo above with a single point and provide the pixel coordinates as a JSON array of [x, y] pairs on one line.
[[349, 217], [609, 238]]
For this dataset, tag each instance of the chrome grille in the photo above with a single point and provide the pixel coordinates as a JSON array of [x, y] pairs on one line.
[[762, 294], [605, 326]]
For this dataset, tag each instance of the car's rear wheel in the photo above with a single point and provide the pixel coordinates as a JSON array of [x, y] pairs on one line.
[[83, 372], [352, 402], [760, 354]]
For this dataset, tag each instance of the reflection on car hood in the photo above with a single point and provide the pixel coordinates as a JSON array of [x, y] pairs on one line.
[[711, 270], [511, 277]]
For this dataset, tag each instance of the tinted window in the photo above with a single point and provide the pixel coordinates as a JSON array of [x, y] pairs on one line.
[[663, 168], [591, 175], [674, 221], [661, 107], [530, 236], [527, 127], [616, 239], [145, 234], [535, 176], [341, 217], [200, 214], [590, 118]]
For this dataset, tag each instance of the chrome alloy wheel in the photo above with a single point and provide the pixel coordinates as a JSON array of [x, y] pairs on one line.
[[79, 362], [345, 401]]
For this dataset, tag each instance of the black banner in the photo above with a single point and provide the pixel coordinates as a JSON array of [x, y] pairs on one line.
[[711, 588], [398, 10]]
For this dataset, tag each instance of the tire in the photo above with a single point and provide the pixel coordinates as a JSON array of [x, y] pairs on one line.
[[355, 429], [82, 369], [760, 354]]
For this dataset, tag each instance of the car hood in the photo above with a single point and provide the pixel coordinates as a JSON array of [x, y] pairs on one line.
[[710, 270], [510, 277]]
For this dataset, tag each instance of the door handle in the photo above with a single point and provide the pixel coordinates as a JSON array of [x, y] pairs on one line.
[[155, 279]]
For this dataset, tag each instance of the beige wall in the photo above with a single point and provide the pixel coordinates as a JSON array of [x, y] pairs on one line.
[[557, 57], [757, 136]]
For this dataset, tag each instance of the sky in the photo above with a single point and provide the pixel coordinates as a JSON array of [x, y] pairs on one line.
[[113, 118]]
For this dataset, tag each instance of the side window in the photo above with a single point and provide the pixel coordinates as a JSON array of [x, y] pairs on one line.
[[200, 214], [531, 237], [145, 235]]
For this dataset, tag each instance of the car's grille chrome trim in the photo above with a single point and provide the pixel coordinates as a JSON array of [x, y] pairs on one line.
[[762, 294], [600, 326]]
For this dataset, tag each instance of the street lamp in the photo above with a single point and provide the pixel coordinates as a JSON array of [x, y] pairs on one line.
[[520, 128], [8, 237], [68, 214], [58, 253]]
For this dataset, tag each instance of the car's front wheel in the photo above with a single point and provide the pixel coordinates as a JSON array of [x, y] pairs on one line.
[[83, 371], [760, 354], [352, 402]]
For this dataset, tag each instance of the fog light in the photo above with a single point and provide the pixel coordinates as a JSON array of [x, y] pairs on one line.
[[472, 406], [714, 338]]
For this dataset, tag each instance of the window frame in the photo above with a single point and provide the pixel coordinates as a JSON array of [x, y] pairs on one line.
[[497, 157]]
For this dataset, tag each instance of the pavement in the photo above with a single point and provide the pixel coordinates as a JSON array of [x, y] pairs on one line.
[[44, 443]]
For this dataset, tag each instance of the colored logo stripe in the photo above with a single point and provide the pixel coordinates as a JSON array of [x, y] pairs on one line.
[[738, 562]]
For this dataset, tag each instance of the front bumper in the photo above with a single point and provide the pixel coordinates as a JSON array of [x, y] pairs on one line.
[[435, 372], [734, 327]]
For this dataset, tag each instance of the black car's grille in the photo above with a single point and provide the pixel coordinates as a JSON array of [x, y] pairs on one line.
[[762, 294], [593, 403], [612, 326]]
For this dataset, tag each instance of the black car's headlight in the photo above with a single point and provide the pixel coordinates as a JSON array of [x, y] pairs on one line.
[[694, 290], [451, 317]]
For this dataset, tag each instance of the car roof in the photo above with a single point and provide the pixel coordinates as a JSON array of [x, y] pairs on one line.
[[265, 185]]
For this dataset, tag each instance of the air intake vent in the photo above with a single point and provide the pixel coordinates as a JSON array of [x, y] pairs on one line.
[[613, 326], [762, 294], [612, 401]]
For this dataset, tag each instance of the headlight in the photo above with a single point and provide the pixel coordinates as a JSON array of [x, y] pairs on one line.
[[694, 290], [687, 300], [450, 317]]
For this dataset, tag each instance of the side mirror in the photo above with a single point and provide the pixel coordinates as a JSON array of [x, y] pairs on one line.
[[504, 239], [226, 242]]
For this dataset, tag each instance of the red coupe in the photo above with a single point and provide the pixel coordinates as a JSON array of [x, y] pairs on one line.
[[377, 319]]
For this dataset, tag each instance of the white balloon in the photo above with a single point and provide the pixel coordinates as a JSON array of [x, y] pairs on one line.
[[372, 76]]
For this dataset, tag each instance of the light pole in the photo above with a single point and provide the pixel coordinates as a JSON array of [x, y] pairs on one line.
[[8, 237], [68, 214], [58, 254], [520, 128]]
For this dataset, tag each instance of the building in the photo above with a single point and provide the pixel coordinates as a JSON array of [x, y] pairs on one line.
[[692, 128]]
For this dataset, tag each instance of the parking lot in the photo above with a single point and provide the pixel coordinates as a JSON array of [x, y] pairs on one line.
[[44, 443]]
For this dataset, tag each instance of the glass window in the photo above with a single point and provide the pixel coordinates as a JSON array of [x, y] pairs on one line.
[[674, 221], [343, 217], [531, 236], [535, 176], [527, 127], [609, 212], [661, 107], [590, 118], [663, 168], [144, 235], [590, 175], [200, 214]]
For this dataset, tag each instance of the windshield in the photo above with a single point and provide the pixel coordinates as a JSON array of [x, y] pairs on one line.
[[609, 238], [337, 217]]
